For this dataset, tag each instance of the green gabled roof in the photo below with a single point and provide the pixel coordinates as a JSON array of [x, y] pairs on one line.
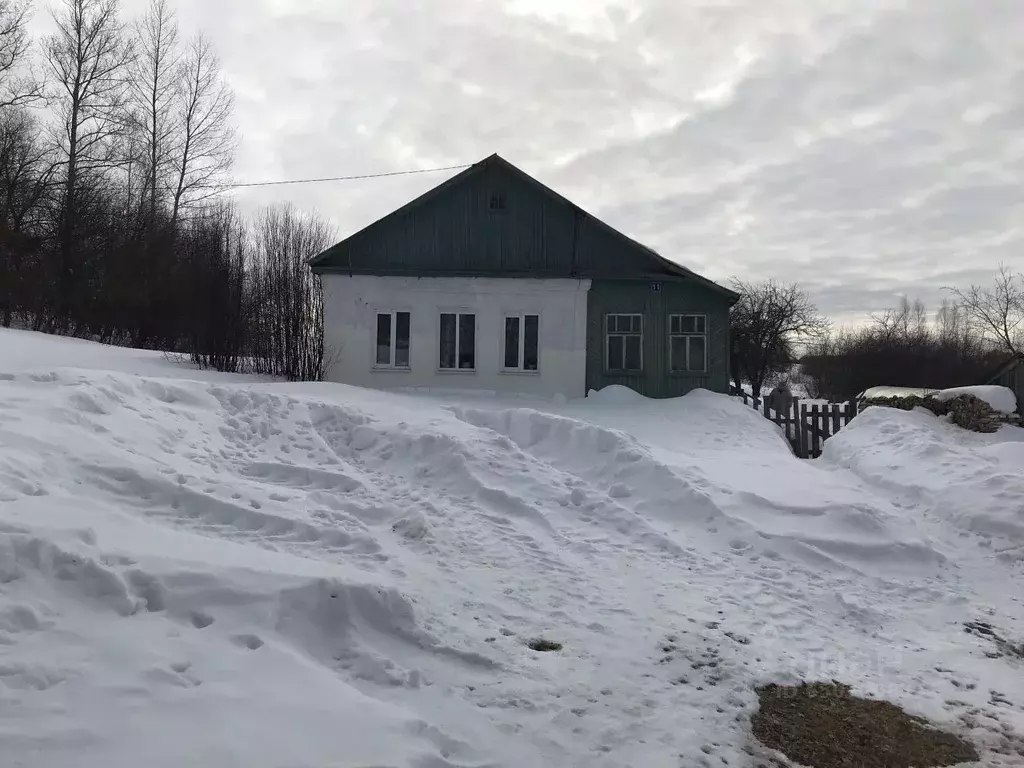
[[327, 260]]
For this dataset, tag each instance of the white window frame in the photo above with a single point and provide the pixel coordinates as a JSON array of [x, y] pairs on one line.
[[459, 313], [608, 334], [521, 317], [687, 335], [390, 365]]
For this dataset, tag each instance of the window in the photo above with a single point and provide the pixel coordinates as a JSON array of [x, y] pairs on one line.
[[458, 342], [497, 201], [522, 343], [687, 338], [392, 340], [625, 342]]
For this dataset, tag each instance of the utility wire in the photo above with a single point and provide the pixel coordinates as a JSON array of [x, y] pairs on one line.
[[343, 178]]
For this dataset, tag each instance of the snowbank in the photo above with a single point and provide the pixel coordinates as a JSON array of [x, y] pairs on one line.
[[614, 394], [1001, 399], [952, 476], [205, 570]]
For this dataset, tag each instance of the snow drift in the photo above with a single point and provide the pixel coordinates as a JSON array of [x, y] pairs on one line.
[[198, 569], [948, 475], [1001, 399]]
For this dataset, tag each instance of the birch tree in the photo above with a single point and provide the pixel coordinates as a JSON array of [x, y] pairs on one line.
[[206, 138], [88, 56], [153, 90]]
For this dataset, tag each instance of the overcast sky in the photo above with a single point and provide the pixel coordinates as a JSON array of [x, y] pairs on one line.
[[867, 148]]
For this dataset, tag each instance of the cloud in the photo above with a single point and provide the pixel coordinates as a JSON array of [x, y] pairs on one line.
[[863, 147]]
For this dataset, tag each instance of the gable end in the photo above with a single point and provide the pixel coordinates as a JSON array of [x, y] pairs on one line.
[[494, 220]]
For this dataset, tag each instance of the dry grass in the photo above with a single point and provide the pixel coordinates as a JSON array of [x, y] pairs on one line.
[[821, 725]]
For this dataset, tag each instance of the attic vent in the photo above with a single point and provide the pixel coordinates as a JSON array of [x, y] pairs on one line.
[[497, 201]]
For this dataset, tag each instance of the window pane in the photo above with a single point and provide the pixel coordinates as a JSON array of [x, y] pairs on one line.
[[402, 339], [610, 322], [673, 324], [678, 353], [701, 324], [447, 341], [531, 343], [697, 350], [687, 324], [511, 342], [467, 341], [633, 353], [615, 353], [383, 339], [638, 323]]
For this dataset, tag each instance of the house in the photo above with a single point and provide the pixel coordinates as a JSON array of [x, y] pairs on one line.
[[1010, 375], [493, 281]]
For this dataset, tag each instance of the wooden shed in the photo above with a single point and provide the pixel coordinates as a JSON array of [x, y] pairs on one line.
[[1011, 375]]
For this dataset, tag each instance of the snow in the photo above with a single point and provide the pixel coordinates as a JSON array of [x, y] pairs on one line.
[[1001, 399], [208, 570], [614, 394], [968, 480], [873, 393]]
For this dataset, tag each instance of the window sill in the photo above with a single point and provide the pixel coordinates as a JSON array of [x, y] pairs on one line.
[[457, 371], [390, 369], [514, 372]]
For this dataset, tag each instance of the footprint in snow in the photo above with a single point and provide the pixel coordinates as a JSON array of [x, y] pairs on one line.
[[252, 642]]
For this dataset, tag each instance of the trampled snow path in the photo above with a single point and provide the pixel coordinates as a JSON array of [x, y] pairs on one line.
[[206, 571]]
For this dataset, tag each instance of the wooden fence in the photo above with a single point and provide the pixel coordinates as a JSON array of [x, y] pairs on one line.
[[807, 425]]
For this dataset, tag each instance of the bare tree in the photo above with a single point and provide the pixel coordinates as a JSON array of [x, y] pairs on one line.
[[908, 320], [286, 297], [25, 171], [214, 304], [765, 325], [998, 310], [206, 138], [88, 55], [19, 85], [153, 91]]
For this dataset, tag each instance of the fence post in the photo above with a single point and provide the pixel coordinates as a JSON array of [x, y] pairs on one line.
[[836, 422], [798, 428]]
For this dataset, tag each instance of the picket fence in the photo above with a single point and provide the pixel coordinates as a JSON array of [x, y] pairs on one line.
[[807, 425]]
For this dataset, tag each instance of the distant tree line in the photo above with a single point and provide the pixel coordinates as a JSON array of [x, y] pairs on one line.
[[777, 334], [902, 347], [116, 139]]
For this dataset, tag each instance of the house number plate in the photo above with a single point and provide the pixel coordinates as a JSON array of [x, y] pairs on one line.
[[656, 287]]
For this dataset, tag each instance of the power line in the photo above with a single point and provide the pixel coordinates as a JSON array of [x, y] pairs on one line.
[[343, 178]]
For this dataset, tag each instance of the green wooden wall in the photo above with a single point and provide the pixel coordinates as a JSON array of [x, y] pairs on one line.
[[456, 232], [675, 297]]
